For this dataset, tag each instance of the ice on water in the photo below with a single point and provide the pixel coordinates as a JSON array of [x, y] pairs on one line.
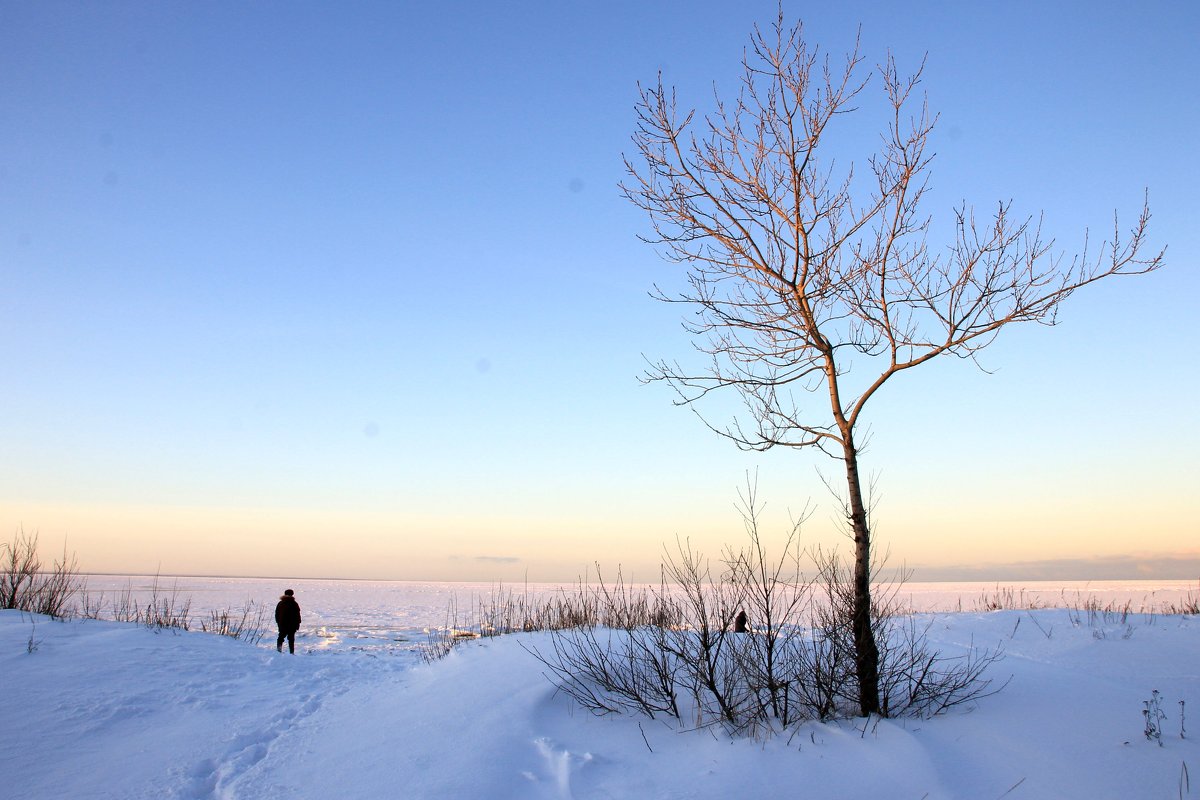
[[394, 616]]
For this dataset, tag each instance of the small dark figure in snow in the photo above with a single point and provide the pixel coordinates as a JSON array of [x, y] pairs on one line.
[[739, 622], [287, 617]]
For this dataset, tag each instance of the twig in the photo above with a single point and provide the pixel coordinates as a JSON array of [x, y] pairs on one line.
[[1046, 633], [644, 739], [1010, 789]]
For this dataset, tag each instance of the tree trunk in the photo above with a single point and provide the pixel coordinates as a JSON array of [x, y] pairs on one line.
[[866, 652]]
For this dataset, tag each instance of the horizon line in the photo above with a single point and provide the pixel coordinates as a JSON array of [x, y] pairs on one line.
[[994, 580]]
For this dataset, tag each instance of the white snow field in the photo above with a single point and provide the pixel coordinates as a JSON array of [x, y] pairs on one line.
[[97, 709]]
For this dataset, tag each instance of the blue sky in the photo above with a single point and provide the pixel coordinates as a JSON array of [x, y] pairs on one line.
[[350, 290]]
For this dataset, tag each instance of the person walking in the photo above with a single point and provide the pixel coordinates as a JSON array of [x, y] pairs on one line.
[[287, 617]]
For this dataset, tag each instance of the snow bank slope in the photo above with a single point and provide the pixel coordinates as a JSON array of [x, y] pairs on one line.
[[101, 710]]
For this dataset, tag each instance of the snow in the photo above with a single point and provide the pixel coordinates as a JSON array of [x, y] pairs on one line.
[[100, 709]]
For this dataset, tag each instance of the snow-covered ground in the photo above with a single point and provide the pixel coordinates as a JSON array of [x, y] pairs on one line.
[[105, 710]]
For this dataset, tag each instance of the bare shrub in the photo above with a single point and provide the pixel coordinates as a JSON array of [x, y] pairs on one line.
[[60, 592], [90, 606], [1189, 606], [248, 624], [914, 679], [440, 642], [775, 596], [610, 670], [125, 608], [166, 611], [33, 643], [437, 645], [26, 586], [1006, 598], [918, 681], [675, 651], [503, 611], [795, 660]]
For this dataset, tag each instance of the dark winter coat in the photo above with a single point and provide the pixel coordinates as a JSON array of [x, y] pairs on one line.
[[287, 614]]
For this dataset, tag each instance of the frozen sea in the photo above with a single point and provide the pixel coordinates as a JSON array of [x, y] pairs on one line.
[[397, 616]]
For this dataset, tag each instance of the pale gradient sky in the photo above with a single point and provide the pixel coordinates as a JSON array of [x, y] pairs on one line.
[[348, 290]]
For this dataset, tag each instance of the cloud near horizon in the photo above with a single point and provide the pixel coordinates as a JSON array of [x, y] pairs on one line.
[[495, 559], [1185, 566]]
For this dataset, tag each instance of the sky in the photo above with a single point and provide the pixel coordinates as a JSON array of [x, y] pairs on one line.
[[350, 290]]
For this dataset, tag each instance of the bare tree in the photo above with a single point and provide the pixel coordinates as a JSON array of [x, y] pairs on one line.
[[798, 270]]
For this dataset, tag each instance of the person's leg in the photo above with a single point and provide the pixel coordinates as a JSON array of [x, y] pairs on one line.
[[291, 637], [279, 643]]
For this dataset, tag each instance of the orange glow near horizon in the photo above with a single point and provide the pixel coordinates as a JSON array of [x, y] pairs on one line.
[[314, 544]]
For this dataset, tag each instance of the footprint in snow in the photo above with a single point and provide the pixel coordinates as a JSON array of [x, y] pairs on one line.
[[201, 781], [557, 767], [212, 778]]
